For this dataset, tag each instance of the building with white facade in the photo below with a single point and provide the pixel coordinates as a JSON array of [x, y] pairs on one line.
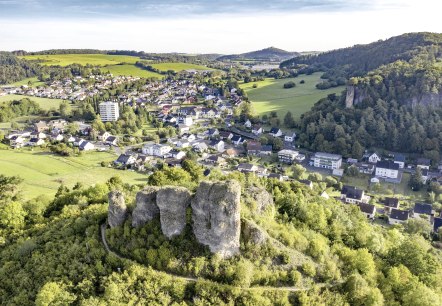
[[287, 156], [327, 160], [387, 169], [109, 111], [154, 149]]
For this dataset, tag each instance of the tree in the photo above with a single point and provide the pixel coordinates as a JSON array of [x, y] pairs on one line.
[[290, 84], [9, 188], [12, 215], [53, 293], [416, 180], [298, 171], [65, 109], [288, 120]]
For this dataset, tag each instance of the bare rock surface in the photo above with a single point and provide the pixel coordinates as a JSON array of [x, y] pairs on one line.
[[252, 233], [117, 211], [172, 203], [146, 207], [216, 216], [262, 198]]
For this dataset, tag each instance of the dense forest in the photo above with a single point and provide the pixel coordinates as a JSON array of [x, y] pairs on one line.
[[13, 69], [51, 252]]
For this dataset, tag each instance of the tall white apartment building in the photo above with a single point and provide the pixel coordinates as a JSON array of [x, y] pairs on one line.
[[109, 111]]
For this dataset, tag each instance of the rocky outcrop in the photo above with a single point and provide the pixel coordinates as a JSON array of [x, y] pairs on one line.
[[350, 96], [146, 207], [216, 216], [172, 203], [262, 198], [252, 233], [117, 211]]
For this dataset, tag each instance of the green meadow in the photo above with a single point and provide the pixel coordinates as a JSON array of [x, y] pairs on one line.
[[179, 67], [131, 70], [34, 82], [82, 59], [45, 103], [271, 96], [43, 172]]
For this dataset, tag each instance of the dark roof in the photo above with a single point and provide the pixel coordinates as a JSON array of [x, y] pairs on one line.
[[352, 192], [275, 175], [214, 142], [399, 214], [367, 208], [225, 134], [437, 223], [212, 131], [391, 202], [422, 209], [423, 161], [123, 159], [254, 146], [306, 182], [399, 158], [274, 130], [246, 166], [236, 138], [267, 148], [111, 138], [387, 164]]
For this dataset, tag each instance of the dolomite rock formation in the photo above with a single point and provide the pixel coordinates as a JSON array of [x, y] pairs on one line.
[[146, 207], [262, 198], [216, 216], [350, 96], [117, 211], [252, 233], [172, 203]]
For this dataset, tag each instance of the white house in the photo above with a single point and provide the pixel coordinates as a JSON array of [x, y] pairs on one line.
[[156, 149], [400, 160], [424, 163], [275, 132], [103, 136], [217, 145], [257, 130], [353, 195], [86, 146], [248, 124], [287, 156], [374, 158], [327, 160], [387, 169], [290, 137]]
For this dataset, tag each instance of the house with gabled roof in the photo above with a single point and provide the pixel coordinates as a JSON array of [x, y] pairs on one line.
[[387, 169], [423, 211], [400, 160], [398, 216], [368, 210], [275, 132], [353, 195]]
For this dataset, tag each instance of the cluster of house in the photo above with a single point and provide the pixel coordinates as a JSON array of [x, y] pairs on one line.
[[354, 195], [75, 89]]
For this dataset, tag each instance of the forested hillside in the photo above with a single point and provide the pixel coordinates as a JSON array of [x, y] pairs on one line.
[[13, 69], [268, 54], [318, 252]]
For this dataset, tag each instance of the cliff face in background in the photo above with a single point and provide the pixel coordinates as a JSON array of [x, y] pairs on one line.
[[117, 211]]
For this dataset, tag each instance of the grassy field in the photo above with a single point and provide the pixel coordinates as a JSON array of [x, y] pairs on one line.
[[271, 96], [131, 70], [179, 66], [43, 172], [34, 82], [82, 59], [44, 103]]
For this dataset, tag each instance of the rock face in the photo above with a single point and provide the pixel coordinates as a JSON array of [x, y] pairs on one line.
[[117, 211], [172, 203], [146, 207], [350, 96], [252, 233], [216, 216], [262, 198]]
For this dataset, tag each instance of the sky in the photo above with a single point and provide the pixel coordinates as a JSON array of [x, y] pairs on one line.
[[209, 26]]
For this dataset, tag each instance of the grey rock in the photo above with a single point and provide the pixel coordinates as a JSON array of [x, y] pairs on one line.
[[117, 211], [172, 203], [252, 233], [263, 199], [216, 216], [146, 208]]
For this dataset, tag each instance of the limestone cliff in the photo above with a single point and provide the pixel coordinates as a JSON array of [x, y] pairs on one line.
[[117, 211], [216, 216], [146, 207], [172, 203]]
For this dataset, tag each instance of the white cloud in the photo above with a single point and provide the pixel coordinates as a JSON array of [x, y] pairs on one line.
[[225, 33]]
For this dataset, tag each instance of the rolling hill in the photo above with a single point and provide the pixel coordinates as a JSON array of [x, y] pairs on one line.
[[269, 54]]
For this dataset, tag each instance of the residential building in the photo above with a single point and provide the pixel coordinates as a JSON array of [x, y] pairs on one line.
[[327, 160], [200, 147], [257, 130], [368, 210], [41, 126], [277, 176], [423, 163], [102, 136], [86, 146], [275, 132], [400, 160], [109, 111], [423, 211], [216, 160], [266, 150], [437, 223], [390, 203], [158, 150], [365, 168], [237, 140], [373, 157], [308, 183], [177, 154], [225, 135], [125, 160], [244, 167], [398, 216], [353, 195], [217, 145], [253, 148], [287, 156], [387, 169], [290, 137]]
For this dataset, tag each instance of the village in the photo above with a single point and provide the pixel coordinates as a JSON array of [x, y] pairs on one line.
[[207, 128]]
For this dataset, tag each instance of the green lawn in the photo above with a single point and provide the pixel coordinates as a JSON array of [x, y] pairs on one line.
[[43, 172], [271, 96], [179, 66], [34, 82], [44, 103], [83, 59], [131, 70]]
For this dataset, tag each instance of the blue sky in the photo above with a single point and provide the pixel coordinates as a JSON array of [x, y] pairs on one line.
[[204, 26]]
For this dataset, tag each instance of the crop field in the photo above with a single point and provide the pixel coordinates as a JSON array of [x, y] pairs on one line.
[[45, 103], [82, 59], [131, 70], [179, 66], [271, 96], [44, 172]]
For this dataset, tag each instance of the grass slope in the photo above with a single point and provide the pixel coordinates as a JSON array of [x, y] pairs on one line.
[[43, 172], [131, 70], [34, 82], [179, 66], [44, 103], [83, 59], [271, 96]]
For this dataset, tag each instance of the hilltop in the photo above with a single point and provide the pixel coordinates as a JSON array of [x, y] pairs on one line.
[[269, 54]]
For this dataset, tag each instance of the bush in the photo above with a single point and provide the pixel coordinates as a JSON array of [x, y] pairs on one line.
[[290, 84]]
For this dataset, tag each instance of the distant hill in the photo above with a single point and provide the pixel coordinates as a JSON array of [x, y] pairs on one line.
[[269, 54]]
